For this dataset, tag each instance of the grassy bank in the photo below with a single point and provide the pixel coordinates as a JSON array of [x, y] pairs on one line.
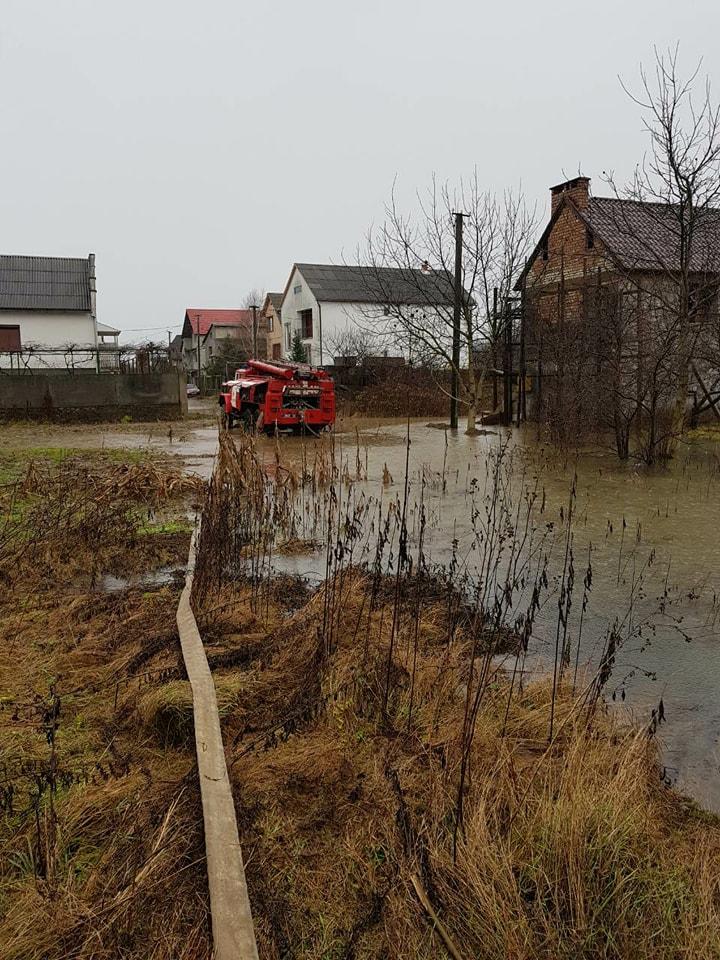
[[100, 837], [401, 788], [403, 792]]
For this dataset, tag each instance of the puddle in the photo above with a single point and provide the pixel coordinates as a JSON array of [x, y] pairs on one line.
[[109, 583]]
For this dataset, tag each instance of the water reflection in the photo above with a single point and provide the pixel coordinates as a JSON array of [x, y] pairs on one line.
[[651, 538]]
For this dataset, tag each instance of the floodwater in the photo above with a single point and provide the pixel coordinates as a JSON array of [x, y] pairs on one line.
[[652, 537]]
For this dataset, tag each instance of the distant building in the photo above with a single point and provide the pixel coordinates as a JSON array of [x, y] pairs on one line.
[[47, 306], [108, 346], [323, 302], [175, 350], [272, 315], [205, 331]]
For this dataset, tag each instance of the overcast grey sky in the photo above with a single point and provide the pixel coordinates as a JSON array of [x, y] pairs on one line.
[[199, 148]]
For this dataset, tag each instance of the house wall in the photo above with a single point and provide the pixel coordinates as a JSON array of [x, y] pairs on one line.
[[300, 297], [274, 336], [339, 318], [51, 329], [330, 320], [568, 259]]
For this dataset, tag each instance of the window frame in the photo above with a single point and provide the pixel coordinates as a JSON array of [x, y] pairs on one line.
[[306, 322]]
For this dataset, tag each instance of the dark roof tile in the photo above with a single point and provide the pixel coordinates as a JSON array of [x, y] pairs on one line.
[[646, 236], [391, 285], [44, 283]]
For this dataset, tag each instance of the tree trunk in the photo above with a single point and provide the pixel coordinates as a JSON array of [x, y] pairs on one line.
[[471, 414]]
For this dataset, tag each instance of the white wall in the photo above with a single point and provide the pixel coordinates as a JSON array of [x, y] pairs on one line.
[[333, 318], [337, 318], [293, 303], [52, 329]]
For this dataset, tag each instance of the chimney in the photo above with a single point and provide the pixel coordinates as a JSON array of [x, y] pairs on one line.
[[577, 190]]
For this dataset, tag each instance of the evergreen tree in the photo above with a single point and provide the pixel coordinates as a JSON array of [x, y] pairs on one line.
[[297, 350]]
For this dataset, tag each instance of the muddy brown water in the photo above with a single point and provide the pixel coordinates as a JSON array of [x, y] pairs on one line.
[[653, 541], [652, 534]]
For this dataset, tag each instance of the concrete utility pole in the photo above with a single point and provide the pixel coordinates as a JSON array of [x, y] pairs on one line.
[[253, 307], [457, 312], [198, 351]]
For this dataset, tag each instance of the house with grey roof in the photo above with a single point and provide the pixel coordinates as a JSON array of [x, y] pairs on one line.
[[322, 302], [47, 306]]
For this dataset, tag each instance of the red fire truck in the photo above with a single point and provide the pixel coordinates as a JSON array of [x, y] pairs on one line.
[[278, 396]]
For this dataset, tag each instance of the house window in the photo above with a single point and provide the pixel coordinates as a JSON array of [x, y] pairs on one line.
[[288, 337], [9, 338], [700, 301], [270, 323], [306, 324], [298, 288], [589, 239], [276, 351]]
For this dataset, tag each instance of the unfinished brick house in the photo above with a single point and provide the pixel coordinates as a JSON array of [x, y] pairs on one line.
[[620, 312]]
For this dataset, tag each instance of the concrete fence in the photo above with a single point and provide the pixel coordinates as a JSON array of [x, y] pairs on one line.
[[89, 396]]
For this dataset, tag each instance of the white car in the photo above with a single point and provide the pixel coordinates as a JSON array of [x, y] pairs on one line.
[[192, 390]]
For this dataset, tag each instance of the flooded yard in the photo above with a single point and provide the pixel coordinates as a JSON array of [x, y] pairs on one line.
[[650, 539]]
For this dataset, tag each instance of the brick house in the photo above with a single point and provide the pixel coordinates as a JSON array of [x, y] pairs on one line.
[[601, 302]]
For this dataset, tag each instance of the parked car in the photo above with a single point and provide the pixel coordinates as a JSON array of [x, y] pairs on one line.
[[192, 390]]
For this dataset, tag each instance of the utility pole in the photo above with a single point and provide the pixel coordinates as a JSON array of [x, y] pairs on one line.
[[197, 319], [457, 313], [253, 307]]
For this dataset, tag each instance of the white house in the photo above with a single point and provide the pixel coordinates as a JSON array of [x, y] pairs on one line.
[[47, 306], [322, 301]]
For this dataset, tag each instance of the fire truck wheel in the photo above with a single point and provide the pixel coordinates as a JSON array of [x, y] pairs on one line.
[[248, 420]]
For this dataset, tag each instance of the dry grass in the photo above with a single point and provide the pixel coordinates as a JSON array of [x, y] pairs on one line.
[[569, 851], [100, 822], [343, 712], [387, 811]]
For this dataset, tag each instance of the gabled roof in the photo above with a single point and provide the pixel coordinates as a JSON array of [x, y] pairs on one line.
[[108, 331], [45, 283], [241, 326], [198, 319], [382, 285], [641, 236], [272, 299]]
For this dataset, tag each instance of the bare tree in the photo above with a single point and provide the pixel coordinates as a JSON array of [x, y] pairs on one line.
[[675, 236], [416, 312], [256, 296], [353, 342]]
